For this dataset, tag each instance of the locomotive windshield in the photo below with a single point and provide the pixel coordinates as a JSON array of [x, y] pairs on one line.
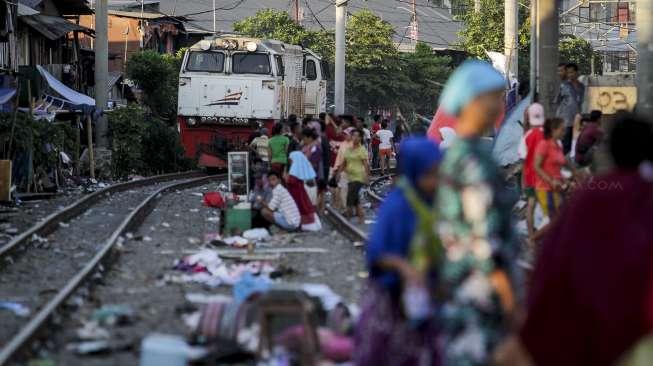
[[206, 61], [250, 63]]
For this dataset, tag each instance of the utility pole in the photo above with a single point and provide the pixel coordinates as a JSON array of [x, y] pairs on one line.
[[547, 53], [414, 26], [645, 58], [142, 32], [510, 38], [532, 85], [214, 26], [477, 6], [341, 14], [101, 71], [296, 11]]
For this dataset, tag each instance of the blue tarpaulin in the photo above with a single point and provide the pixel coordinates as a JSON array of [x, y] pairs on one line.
[[5, 96], [71, 96], [506, 143]]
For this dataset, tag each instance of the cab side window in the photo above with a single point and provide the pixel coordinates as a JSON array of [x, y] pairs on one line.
[[280, 68], [311, 70]]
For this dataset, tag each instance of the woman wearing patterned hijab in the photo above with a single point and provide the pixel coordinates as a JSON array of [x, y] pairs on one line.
[[477, 274]]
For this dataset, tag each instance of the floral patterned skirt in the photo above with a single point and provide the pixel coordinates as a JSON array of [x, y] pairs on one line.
[[384, 336]]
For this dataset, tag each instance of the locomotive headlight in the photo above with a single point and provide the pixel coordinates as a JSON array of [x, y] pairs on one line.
[[205, 45], [251, 46], [191, 121]]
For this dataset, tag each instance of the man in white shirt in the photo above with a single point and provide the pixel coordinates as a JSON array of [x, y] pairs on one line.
[[260, 145], [282, 209], [385, 147]]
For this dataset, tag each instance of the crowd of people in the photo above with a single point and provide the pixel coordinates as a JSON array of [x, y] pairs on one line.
[[445, 286], [296, 163]]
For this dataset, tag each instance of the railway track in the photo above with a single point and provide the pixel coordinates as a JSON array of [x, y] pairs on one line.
[[372, 194], [346, 227], [44, 273]]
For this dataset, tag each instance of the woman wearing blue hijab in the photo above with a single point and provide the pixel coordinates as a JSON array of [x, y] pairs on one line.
[[395, 326]]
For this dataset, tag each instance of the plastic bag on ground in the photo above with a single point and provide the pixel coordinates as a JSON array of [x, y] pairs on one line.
[[258, 234], [314, 226], [248, 285], [213, 199]]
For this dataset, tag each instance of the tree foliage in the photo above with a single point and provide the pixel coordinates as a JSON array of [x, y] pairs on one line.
[[580, 52], [428, 73], [369, 41], [277, 24], [272, 24], [484, 31], [142, 144], [39, 138], [157, 75], [377, 74]]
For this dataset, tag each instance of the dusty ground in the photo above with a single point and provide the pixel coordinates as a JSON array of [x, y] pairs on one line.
[[135, 279], [16, 219], [33, 274]]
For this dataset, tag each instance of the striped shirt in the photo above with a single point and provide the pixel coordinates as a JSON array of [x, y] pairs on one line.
[[283, 202]]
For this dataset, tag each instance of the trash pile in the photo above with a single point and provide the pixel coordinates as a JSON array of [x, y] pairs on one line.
[[208, 268], [263, 320], [94, 337], [274, 324]]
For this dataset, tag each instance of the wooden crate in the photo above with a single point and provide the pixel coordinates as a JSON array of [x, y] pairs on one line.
[[5, 180]]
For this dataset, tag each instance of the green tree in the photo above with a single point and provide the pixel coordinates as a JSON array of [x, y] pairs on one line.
[[272, 24], [277, 24], [127, 126], [143, 144], [157, 75], [580, 52], [428, 74], [369, 41], [484, 31], [377, 74], [374, 76]]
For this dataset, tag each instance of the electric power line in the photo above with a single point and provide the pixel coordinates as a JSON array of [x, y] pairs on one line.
[[234, 6], [313, 14]]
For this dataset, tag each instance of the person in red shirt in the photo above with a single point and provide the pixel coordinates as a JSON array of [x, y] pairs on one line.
[[587, 299], [549, 160], [534, 121], [590, 137], [376, 141]]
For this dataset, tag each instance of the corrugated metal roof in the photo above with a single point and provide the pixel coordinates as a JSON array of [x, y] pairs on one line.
[[26, 10], [115, 4], [72, 7], [52, 27], [436, 24], [145, 15], [31, 3], [113, 78]]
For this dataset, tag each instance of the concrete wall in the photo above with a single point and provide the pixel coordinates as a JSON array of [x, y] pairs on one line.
[[117, 27]]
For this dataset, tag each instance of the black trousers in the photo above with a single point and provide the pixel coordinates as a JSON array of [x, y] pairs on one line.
[[375, 156], [567, 139]]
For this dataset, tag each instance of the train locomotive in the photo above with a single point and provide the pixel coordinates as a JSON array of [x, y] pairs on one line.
[[230, 86]]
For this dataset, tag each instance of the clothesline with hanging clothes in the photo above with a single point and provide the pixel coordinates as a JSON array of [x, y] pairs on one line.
[[48, 108], [70, 100]]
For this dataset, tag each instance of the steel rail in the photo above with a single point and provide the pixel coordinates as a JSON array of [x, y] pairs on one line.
[[375, 197], [51, 222], [343, 225], [131, 221]]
